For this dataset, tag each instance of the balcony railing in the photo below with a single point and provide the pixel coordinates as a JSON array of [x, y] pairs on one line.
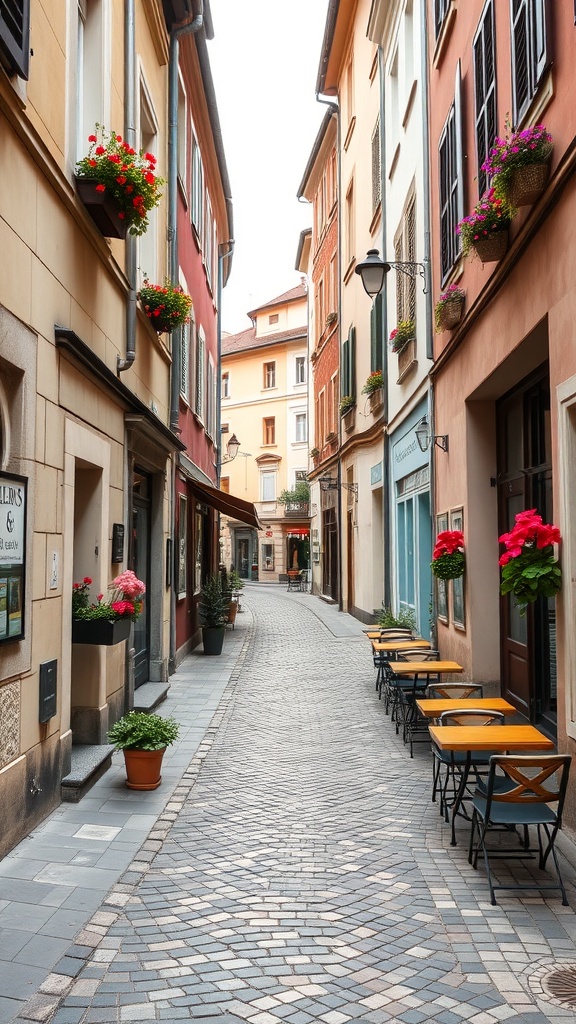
[[297, 508]]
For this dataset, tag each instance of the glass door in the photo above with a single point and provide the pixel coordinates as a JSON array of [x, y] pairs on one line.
[[141, 495]]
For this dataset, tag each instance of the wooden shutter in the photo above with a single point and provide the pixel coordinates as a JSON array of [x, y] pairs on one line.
[[352, 358], [15, 36], [520, 58], [345, 369], [485, 92], [459, 146], [376, 334]]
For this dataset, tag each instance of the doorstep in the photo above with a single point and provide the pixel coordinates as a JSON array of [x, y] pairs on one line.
[[88, 764], [148, 696]]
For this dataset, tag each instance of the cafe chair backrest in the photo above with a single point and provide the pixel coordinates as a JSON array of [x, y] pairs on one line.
[[418, 655], [471, 717], [455, 691], [531, 779]]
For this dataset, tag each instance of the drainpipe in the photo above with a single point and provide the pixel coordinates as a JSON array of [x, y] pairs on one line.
[[387, 496], [224, 251], [130, 136], [190, 27]]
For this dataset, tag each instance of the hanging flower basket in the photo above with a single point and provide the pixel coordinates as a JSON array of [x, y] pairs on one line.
[[449, 308], [528, 183], [529, 568], [492, 248], [448, 562], [167, 306]]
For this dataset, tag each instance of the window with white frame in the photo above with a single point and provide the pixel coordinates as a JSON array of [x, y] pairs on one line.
[[148, 141], [92, 60], [300, 476], [405, 252], [225, 392], [451, 182], [269, 375], [197, 190], [484, 91], [300, 427], [268, 485], [334, 391], [300, 369], [211, 399], [208, 249], [185, 362], [182, 135], [529, 51], [441, 8], [200, 391], [269, 430]]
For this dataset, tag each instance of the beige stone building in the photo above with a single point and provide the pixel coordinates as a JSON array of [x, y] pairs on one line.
[[86, 451], [265, 405]]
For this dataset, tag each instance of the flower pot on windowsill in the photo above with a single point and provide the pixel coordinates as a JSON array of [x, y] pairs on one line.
[[349, 419], [376, 400], [528, 183], [492, 248], [101, 632], [102, 209]]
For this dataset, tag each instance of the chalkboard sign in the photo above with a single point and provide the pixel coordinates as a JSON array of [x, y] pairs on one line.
[[12, 556]]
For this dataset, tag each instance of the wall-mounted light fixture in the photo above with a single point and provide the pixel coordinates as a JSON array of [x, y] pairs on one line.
[[373, 271], [232, 449], [330, 483], [425, 437]]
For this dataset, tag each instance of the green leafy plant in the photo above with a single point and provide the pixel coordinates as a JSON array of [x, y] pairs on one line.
[[529, 568], [138, 730], [125, 599], [314, 452], [448, 562], [374, 382], [300, 494], [404, 619], [166, 306], [490, 216], [346, 403], [126, 175], [235, 580], [213, 603], [401, 335]]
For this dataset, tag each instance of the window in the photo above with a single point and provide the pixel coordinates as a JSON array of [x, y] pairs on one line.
[[320, 418], [349, 86], [441, 8], [348, 364], [405, 251], [376, 167], [273, 318], [185, 363], [208, 241], [225, 386], [200, 371], [268, 557], [225, 484], [350, 227], [376, 329], [14, 36], [268, 485], [485, 91], [321, 307], [333, 393], [148, 141], [91, 63], [225, 428], [451, 181], [269, 375], [269, 432], [301, 424], [529, 51], [211, 403], [182, 135], [300, 369], [301, 476], [197, 190]]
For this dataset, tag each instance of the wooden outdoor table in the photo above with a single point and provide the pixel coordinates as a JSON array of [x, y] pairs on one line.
[[500, 739], [400, 645], [434, 707], [423, 668]]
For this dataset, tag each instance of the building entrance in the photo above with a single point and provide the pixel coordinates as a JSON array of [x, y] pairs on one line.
[[140, 557]]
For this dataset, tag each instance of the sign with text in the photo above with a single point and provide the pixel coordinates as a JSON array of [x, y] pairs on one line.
[[12, 556]]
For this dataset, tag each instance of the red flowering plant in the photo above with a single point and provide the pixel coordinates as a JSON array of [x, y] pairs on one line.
[[491, 215], [448, 560], [529, 569], [167, 306], [124, 602], [374, 382], [532, 145], [128, 176]]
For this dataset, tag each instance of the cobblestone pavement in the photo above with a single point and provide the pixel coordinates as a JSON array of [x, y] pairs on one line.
[[300, 872]]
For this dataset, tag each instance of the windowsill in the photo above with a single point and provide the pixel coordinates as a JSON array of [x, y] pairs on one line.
[[349, 270], [445, 33], [394, 162], [376, 218], [410, 103], [270, 389], [269, 445], [350, 132]]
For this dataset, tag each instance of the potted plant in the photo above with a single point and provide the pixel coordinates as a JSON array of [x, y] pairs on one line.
[[486, 229], [519, 164], [401, 335], [347, 411], [448, 309], [448, 562], [106, 622], [143, 738], [237, 584], [331, 319], [167, 306], [117, 185], [529, 568], [315, 453], [374, 382], [404, 619], [214, 612]]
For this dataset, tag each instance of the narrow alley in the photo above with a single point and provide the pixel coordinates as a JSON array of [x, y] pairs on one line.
[[299, 871]]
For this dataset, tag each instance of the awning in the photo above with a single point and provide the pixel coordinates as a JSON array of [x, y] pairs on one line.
[[236, 508]]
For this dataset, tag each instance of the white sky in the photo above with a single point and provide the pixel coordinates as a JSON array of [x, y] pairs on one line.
[[264, 58]]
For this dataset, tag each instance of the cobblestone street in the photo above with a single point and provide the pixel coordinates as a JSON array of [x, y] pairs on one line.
[[300, 872]]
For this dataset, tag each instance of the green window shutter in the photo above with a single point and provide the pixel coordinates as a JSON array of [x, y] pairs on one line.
[[345, 374], [376, 334], [352, 359]]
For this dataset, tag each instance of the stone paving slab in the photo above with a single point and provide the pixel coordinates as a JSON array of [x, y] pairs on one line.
[[299, 871]]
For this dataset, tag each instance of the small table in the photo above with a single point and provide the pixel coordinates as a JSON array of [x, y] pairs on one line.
[[400, 645], [500, 738], [423, 668], [434, 707]]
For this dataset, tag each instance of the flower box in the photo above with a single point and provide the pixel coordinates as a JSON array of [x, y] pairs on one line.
[[102, 632], [349, 419], [450, 314], [102, 209], [376, 400], [528, 183], [492, 248]]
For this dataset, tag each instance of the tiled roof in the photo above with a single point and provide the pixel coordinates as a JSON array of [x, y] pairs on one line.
[[299, 292], [245, 340]]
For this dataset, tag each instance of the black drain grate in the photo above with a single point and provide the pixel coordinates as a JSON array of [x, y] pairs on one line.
[[561, 985]]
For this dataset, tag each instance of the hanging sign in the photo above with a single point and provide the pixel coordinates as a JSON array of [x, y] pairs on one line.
[[12, 556]]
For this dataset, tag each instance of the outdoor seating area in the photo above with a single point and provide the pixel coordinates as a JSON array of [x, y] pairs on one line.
[[503, 779]]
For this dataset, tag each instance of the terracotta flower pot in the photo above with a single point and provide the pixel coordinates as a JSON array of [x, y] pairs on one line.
[[143, 768], [492, 248], [528, 183]]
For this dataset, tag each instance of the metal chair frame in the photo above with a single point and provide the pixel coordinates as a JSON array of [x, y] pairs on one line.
[[518, 799], [404, 691], [459, 766]]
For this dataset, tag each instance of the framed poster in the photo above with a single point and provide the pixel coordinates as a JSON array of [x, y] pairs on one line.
[[458, 609], [13, 490], [441, 585], [182, 544]]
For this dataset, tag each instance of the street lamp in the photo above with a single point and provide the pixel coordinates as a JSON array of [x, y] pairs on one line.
[[232, 448], [373, 270], [425, 438]]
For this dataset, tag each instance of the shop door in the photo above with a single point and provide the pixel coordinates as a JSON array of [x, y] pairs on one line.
[[243, 555], [330, 554], [528, 642], [141, 501]]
